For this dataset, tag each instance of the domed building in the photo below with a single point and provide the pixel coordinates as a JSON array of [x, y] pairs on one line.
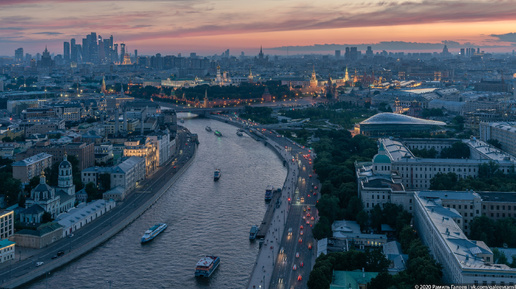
[[44, 198], [381, 162], [393, 124]]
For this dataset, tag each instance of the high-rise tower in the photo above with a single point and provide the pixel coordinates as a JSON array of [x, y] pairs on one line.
[[66, 51], [18, 55], [122, 52], [73, 50]]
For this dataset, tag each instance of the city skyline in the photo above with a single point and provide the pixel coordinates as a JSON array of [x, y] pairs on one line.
[[210, 27]]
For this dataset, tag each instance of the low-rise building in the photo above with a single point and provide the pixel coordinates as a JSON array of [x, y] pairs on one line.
[[166, 148], [146, 148], [350, 231], [117, 194], [351, 279], [42, 126], [43, 236], [6, 224], [32, 166], [503, 132], [126, 175], [7, 250], [84, 214]]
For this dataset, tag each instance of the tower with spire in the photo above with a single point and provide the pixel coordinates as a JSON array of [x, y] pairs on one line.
[[46, 60], [103, 86], [313, 79], [250, 77], [206, 103], [65, 178], [346, 76], [219, 76]]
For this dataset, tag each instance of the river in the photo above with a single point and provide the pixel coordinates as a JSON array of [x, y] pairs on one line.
[[203, 217]]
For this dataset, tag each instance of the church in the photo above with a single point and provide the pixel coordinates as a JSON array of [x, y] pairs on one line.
[[44, 198]]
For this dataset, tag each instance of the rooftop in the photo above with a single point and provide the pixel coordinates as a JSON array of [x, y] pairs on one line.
[[449, 195], [396, 150], [400, 119], [468, 253], [5, 242], [31, 160], [488, 151], [502, 197], [351, 279]]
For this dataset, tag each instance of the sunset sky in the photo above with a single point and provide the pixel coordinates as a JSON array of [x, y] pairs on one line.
[[211, 26]]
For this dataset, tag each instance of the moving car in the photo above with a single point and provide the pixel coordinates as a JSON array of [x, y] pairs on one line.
[[39, 264]]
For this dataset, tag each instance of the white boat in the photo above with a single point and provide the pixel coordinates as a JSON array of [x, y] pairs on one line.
[[153, 231], [207, 128]]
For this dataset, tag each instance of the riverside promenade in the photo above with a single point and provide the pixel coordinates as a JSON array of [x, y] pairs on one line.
[[102, 229]]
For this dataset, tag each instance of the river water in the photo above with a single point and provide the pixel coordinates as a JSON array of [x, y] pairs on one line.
[[203, 217]]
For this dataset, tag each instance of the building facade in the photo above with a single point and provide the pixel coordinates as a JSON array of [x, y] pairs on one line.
[[7, 250], [464, 261], [6, 224], [32, 166]]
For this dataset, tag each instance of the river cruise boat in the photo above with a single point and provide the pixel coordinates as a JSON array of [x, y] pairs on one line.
[[153, 231], [268, 193], [216, 175], [206, 266], [253, 232]]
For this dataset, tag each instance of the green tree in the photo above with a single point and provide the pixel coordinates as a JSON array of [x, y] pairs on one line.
[[105, 182], [10, 188], [376, 218], [495, 143], [424, 153], [376, 261], [429, 112], [363, 219], [47, 217], [328, 206], [383, 280], [442, 181], [406, 236], [318, 279], [92, 192], [488, 170], [499, 257], [322, 229], [458, 150], [482, 228]]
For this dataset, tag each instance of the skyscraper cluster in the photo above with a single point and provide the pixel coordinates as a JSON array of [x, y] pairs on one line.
[[94, 49]]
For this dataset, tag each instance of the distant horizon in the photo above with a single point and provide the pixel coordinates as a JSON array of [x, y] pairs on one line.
[[209, 27]]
